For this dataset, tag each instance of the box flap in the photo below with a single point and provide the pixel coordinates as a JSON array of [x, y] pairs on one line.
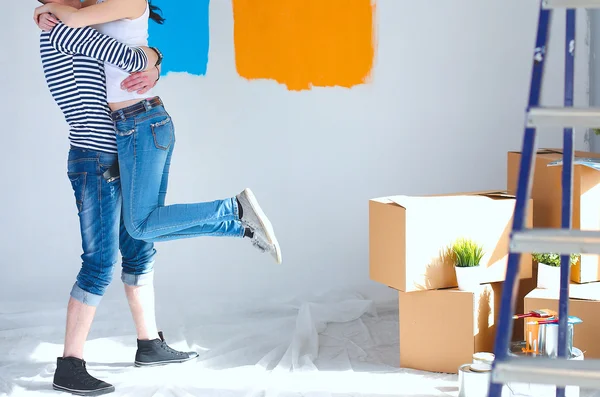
[[500, 194], [487, 193], [542, 151], [549, 151], [403, 200], [449, 199], [590, 162], [429, 201], [587, 292]]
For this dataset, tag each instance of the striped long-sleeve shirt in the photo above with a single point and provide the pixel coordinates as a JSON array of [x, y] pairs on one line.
[[73, 62]]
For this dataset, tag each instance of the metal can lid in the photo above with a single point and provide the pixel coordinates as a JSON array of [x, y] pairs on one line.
[[484, 357], [480, 367]]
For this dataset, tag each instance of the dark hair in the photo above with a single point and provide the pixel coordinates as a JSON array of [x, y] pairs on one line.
[[155, 14]]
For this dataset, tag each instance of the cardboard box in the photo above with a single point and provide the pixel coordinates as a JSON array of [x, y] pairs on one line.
[[525, 287], [547, 201], [409, 238], [441, 330], [586, 333]]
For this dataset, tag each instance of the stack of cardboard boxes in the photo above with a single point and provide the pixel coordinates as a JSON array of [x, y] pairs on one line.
[[440, 326], [585, 275], [409, 237]]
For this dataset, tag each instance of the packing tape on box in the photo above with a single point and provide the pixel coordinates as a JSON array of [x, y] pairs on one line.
[[472, 383]]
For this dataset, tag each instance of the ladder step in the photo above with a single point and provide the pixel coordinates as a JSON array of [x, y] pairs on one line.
[[563, 117], [551, 4], [560, 241], [548, 371]]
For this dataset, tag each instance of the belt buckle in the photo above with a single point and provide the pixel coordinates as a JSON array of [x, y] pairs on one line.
[[118, 115]]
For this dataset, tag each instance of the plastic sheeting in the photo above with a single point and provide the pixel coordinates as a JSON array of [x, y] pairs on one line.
[[334, 345]]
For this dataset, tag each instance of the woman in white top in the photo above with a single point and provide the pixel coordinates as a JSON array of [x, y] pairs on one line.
[[145, 141]]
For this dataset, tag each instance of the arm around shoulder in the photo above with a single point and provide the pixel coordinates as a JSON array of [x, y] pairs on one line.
[[91, 43], [92, 14]]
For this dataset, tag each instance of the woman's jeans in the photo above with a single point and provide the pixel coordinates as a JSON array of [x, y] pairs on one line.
[[145, 142], [103, 233]]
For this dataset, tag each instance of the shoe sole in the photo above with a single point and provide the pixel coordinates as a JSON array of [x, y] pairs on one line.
[[264, 222], [98, 392], [159, 363]]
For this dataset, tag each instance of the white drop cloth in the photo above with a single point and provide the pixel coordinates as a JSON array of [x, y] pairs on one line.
[[335, 345]]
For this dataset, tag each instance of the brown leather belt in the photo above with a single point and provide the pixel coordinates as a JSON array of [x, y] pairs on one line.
[[137, 108]]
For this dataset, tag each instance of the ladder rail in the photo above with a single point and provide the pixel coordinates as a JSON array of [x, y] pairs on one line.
[[567, 192], [524, 185]]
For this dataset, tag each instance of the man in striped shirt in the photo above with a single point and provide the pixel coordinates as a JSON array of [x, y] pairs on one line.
[[73, 63]]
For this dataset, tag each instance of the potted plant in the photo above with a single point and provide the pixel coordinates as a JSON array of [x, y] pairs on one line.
[[549, 269], [467, 255]]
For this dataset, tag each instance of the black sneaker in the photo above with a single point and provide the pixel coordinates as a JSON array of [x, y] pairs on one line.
[[71, 376], [157, 352]]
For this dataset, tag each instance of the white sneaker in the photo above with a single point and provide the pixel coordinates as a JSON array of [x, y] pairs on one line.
[[255, 219]]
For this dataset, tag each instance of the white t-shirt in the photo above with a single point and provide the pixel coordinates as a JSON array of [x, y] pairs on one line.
[[132, 32]]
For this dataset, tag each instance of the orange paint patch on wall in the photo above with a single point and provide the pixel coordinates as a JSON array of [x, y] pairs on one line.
[[305, 43]]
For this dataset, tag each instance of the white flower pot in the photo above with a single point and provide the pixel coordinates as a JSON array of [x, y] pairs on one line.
[[468, 278], [548, 277]]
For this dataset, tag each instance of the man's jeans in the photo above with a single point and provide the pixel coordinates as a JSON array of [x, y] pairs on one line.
[[145, 144], [102, 229]]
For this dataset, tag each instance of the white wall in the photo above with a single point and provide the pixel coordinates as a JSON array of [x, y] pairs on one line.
[[445, 106]]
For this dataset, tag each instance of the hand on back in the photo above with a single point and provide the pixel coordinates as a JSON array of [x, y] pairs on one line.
[[46, 22]]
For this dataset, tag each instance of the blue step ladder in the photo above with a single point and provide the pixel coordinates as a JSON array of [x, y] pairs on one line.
[[559, 371]]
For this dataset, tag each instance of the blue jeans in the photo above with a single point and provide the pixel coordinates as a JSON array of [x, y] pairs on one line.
[[145, 144], [103, 232]]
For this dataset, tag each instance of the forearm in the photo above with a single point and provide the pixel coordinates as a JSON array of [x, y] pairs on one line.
[[151, 55], [66, 14], [91, 14], [91, 43]]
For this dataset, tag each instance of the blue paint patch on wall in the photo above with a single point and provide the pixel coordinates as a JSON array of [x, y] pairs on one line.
[[184, 38]]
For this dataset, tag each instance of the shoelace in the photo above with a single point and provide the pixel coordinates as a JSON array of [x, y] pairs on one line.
[[82, 375], [261, 244], [169, 349]]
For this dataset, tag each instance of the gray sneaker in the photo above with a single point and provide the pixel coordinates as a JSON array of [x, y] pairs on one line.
[[263, 246], [255, 219]]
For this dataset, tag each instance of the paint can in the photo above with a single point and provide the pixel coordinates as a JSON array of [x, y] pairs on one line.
[[473, 383], [549, 340], [543, 339], [541, 336], [516, 350], [534, 390], [482, 361]]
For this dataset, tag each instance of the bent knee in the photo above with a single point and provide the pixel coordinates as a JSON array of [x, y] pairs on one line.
[[135, 231], [95, 279]]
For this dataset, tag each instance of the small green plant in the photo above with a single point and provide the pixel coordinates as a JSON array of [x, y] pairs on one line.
[[467, 253], [596, 131], [552, 259]]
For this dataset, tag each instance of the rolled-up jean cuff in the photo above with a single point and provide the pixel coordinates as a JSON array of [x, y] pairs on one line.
[[87, 298], [137, 280]]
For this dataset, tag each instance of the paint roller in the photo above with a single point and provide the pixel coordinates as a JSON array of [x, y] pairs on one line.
[[543, 313]]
